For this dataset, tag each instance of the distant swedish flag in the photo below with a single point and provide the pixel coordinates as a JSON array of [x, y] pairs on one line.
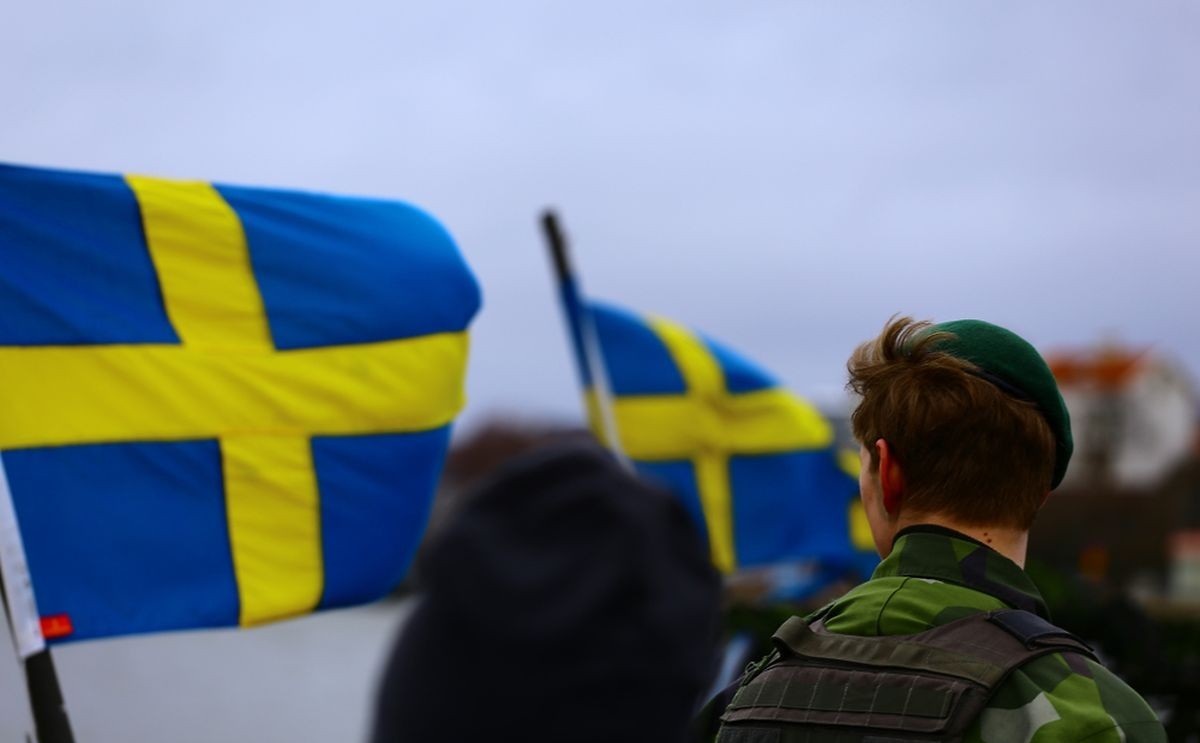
[[754, 464], [220, 405]]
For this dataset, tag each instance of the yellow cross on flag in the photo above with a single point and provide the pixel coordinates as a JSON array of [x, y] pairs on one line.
[[248, 390], [755, 464]]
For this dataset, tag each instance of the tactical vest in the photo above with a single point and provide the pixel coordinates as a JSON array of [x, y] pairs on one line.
[[820, 687]]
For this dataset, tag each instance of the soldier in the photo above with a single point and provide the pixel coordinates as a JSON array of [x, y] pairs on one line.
[[963, 435]]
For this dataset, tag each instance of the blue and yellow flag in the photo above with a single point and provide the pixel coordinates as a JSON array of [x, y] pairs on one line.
[[755, 465], [220, 405]]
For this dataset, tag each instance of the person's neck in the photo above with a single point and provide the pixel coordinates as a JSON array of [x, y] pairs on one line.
[[1011, 542]]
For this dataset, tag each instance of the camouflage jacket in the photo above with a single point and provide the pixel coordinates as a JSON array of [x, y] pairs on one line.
[[934, 576]]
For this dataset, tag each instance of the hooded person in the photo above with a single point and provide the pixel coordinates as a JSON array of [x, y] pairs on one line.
[[566, 601]]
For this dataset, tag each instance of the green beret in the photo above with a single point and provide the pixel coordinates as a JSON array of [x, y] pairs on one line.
[[1008, 361]]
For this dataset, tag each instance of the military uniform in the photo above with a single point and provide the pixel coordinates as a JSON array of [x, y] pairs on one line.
[[935, 576]]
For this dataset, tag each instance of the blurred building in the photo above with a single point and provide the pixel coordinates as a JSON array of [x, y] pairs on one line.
[[1133, 414], [1128, 511]]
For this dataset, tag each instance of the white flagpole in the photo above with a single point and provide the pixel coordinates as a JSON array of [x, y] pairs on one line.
[[14, 571], [45, 695]]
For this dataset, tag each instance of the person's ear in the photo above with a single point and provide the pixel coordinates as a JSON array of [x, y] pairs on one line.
[[891, 478]]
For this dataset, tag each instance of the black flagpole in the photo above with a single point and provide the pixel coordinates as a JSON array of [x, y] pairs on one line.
[[585, 343], [50, 719], [45, 695]]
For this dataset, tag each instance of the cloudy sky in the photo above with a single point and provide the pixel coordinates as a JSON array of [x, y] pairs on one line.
[[784, 175]]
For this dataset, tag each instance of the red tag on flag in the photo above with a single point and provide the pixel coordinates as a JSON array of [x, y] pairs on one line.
[[55, 626]]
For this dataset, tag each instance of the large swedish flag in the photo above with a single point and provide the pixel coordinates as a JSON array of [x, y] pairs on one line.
[[755, 465], [220, 405]]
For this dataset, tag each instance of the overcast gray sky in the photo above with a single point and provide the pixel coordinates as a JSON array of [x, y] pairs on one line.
[[784, 175]]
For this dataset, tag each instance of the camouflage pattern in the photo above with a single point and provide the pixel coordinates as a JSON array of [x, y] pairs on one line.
[[933, 577]]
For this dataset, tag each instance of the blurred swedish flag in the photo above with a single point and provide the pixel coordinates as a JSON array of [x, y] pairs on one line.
[[754, 464], [220, 405]]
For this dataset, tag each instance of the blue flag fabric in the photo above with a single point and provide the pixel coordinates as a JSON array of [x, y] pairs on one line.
[[755, 465], [220, 405]]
